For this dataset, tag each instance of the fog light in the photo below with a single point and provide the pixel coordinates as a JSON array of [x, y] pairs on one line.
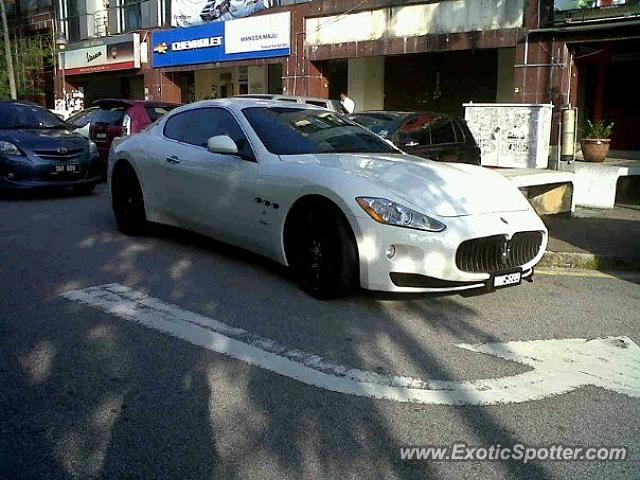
[[391, 251], [11, 176]]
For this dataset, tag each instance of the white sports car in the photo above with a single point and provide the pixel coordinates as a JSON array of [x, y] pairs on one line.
[[340, 206]]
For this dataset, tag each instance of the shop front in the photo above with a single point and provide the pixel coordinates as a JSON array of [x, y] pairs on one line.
[[106, 67], [221, 59], [416, 56]]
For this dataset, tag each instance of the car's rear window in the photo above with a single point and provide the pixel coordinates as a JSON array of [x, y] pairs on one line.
[[110, 116], [156, 112]]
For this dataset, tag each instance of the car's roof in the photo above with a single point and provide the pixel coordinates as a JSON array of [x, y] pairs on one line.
[[243, 102], [404, 114], [20, 102], [282, 95]]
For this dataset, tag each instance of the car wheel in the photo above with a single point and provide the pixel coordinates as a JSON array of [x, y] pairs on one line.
[[323, 254], [84, 189], [127, 201]]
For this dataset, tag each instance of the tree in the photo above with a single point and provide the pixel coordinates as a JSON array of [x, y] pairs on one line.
[[7, 53]]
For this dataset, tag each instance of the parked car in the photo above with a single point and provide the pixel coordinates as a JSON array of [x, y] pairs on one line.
[[329, 104], [429, 135], [117, 117], [315, 191], [38, 150], [81, 120]]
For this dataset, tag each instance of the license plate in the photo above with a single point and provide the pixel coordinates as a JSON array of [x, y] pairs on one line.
[[66, 168], [101, 135], [507, 279]]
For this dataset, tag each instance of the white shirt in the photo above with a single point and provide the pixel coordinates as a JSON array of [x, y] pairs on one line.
[[348, 104]]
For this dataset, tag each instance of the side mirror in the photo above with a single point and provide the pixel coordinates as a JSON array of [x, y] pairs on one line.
[[222, 144]]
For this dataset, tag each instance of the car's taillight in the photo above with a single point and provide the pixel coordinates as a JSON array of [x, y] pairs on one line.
[[126, 125]]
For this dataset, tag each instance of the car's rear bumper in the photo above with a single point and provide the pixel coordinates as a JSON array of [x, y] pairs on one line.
[[24, 184]]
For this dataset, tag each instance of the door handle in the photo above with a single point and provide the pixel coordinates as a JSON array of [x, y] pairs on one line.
[[173, 160]]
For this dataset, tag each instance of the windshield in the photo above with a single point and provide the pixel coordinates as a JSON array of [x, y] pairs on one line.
[[297, 131], [14, 115]]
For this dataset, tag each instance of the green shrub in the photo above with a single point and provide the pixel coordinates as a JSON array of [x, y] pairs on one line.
[[598, 130]]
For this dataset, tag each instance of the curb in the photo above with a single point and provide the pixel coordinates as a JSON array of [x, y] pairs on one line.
[[589, 261]]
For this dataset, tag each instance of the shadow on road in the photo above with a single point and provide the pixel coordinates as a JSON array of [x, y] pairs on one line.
[[96, 396]]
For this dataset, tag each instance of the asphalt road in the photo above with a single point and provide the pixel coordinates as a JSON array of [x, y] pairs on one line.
[[86, 394]]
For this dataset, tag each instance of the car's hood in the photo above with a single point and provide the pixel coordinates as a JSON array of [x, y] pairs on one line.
[[442, 189], [30, 138]]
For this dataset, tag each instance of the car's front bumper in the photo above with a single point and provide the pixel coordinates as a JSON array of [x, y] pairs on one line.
[[32, 173], [430, 258], [26, 184]]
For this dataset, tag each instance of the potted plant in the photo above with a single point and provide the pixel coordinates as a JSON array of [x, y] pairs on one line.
[[595, 144]]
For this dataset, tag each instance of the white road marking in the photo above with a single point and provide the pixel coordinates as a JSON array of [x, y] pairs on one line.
[[558, 366]]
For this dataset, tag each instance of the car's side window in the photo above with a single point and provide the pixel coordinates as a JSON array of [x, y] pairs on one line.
[[176, 126], [442, 132], [205, 123], [460, 135]]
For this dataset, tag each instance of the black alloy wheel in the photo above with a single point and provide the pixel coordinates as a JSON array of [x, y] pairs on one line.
[[127, 201], [324, 257]]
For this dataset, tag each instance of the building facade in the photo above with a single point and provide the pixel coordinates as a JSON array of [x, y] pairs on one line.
[[386, 54]]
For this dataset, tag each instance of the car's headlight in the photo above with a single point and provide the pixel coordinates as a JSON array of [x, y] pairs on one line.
[[9, 148], [391, 213], [93, 149]]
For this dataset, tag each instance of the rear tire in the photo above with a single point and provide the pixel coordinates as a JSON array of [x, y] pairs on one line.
[[127, 201], [322, 253]]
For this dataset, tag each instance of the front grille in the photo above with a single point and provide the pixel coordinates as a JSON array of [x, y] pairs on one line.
[[496, 253], [60, 156]]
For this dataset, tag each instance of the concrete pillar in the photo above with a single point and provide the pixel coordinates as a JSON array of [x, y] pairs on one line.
[[160, 86], [366, 82]]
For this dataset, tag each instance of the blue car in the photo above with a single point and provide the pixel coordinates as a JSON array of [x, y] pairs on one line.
[[40, 151]]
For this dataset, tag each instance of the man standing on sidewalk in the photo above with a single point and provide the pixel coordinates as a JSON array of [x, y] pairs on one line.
[[348, 104]]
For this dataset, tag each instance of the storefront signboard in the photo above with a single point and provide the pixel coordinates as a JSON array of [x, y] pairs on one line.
[[120, 52], [255, 37]]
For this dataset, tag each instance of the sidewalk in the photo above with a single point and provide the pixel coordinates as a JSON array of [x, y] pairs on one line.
[[595, 239]]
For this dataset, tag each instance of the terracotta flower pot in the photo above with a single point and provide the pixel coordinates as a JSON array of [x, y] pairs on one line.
[[595, 149]]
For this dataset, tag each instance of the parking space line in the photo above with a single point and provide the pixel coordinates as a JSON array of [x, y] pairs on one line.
[[557, 365]]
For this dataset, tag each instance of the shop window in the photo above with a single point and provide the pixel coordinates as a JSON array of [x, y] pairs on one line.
[[73, 21], [243, 80], [132, 13]]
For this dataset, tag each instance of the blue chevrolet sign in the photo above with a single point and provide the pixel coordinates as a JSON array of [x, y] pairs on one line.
[[253, 37]]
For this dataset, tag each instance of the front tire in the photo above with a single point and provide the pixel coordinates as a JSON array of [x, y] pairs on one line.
[[127, 201], [322, 252]]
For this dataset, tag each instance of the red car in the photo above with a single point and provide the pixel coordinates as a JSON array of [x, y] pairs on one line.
[[117, 118]]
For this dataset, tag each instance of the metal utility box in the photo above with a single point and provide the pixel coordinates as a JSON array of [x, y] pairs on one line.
[[511, 135]]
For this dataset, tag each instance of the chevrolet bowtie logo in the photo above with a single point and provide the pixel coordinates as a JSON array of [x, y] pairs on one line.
[[161, 48]]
